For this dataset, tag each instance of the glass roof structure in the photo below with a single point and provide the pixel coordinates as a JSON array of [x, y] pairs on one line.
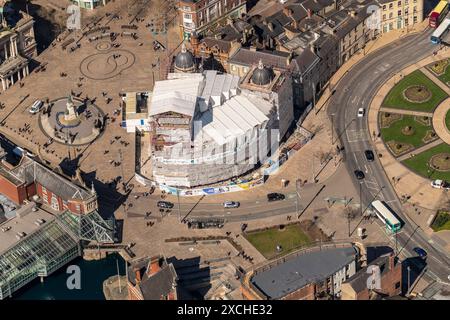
[[50, 247]]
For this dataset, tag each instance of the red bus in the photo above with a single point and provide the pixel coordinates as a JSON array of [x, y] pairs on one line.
[[438, 14]]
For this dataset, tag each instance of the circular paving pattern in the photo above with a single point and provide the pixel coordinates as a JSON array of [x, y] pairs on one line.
[[417, 94], [440, 161], [103, 46], [107, 65], [79, 131]]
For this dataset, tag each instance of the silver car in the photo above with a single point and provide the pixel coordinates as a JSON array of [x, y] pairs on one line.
[[231, 204]]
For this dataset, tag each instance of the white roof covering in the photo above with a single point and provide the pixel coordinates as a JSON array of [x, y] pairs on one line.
[[236, 117], [176, 95], [219, 87]]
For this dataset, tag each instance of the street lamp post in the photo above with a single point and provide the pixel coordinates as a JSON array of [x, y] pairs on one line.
[[332, 128], [360, 197]]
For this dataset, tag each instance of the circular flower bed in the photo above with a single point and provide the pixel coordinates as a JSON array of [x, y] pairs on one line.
[[440, 162], [417, 94]]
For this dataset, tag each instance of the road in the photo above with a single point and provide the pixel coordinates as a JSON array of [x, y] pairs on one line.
[[356, 90]]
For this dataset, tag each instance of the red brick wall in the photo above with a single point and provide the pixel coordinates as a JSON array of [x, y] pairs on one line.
[[305, 293], [16, 194]]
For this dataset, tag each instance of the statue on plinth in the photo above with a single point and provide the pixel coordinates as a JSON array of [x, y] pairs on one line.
[[71, 112]]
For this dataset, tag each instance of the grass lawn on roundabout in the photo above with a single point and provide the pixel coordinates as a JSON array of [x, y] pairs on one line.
[[266, 241], [397, 131], [420, 163], [441, 221], [395, 98]]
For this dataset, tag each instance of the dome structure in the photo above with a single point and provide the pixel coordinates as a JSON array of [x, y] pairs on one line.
[[184, 61], [261, 75]]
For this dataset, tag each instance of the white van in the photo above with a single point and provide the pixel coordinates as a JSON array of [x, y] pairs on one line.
[[36, 106]]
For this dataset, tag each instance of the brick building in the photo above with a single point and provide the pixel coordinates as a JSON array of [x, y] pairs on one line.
[[390, 276], [30, 178], [314, 273], [152, 279], [199, 15]]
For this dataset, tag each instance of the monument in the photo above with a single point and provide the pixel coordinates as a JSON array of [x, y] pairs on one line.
[[71, 114]]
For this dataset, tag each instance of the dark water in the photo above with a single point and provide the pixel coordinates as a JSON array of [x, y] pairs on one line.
[[93, 273]]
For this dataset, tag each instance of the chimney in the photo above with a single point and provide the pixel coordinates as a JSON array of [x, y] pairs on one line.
[[153, 266], [309, 13], [353, 13], [270, 26]]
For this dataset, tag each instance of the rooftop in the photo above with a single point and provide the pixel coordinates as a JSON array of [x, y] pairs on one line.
[[298, 271], [25, 221]]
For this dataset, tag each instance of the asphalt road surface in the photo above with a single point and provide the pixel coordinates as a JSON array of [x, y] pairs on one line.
[[356, 90]]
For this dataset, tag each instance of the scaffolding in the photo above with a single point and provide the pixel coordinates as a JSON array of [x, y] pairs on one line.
[[50, 247]]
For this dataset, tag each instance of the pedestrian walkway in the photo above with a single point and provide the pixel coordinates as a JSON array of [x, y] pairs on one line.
[[439, 125], [420, 150], [406, 112], [436, 80]]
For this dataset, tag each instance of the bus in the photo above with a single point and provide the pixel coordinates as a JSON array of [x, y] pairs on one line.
[[386, 216], [436, 36], [438, 14]]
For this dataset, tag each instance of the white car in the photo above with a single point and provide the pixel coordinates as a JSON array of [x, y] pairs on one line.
[[231, 204], [437, 184], [360, 112], [37, 105], [440, 184]]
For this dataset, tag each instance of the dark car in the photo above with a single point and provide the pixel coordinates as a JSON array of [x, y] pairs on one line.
[[369, 155], [359, 174], [165, 204], [422, 253], [275, 196]]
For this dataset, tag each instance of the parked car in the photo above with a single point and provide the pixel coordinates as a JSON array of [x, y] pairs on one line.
[[440, 184], [360, 112], [369, 155], [422, 253], [231, 204], [359, 174], [165, 204], [275, 196], [36, 106]]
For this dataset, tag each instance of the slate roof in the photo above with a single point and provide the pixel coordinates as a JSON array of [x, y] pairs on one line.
[[29, 171], [296, 272], [157, 285]]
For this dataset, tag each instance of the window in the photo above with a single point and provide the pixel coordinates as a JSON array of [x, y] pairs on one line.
[[187, 16], [406, 2], [391, 6], [415, 19], [406, 11], [399, 3], [414, 9], [384, 17], [397, 285], [406, 21], [391, 26], [385, 28], [399, 12], [391, 15], [384, 7]]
